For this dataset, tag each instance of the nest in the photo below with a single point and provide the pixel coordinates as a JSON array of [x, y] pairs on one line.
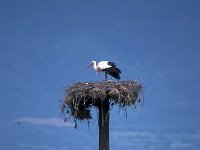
[[82, 96]]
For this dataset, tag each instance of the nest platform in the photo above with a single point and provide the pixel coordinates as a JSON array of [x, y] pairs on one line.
[[82, 96]]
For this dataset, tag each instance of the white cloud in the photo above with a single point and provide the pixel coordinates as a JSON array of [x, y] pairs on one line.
[[45, 121], [133, 134], [180, 144], [142, 140], [128, 138]]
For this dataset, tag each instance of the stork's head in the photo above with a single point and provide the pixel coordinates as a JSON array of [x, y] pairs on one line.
[[92, 63]]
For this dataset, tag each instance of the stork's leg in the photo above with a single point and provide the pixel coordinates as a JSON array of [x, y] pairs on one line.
[[106, 76]]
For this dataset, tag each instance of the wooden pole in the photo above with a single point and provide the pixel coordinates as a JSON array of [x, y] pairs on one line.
[[104, 125]]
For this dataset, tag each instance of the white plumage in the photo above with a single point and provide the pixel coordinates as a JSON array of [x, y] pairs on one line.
[[103, 65], [107, 67]]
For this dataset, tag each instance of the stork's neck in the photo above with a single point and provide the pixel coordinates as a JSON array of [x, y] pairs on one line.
[[95, 66]]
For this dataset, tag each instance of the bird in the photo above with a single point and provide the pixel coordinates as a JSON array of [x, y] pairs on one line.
[[107, 67]]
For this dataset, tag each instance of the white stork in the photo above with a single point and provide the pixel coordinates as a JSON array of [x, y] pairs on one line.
[[107, 67]]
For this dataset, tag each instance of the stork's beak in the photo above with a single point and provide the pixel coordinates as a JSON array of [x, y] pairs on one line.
[[89, 65]]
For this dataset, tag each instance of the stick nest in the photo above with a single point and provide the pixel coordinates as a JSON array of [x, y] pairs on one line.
[[82, 96]]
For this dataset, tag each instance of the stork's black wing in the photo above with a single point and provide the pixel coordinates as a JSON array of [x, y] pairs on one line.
[[114, 74], [113, 70], [114, 67]]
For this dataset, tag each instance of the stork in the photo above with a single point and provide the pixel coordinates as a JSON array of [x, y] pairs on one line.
[[107, 67]]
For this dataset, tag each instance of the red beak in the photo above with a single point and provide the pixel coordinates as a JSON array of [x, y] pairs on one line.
[[89, 65]]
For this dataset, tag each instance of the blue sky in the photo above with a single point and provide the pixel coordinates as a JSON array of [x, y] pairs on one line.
[[46, 45]]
